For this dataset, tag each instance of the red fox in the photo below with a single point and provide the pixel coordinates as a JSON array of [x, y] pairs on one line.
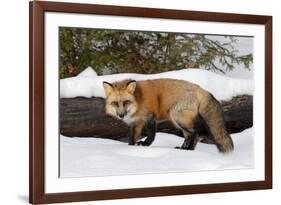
[[138, 103]]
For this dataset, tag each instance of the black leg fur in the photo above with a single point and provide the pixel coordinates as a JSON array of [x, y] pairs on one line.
[[191, 142], [132, 136], [150, 129]]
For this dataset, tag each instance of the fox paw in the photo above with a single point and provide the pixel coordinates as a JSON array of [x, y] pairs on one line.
[[144, 143], [140, 143], [185, 148]]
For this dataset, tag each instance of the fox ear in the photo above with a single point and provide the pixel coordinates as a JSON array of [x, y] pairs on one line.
[[131, 86], [107, 87]]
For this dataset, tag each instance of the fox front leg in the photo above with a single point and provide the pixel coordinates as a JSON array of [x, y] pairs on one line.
[[132, 136], [150, 129], [135, 135]]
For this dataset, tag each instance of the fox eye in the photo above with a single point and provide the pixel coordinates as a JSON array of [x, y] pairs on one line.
[[114, 103], [126, 103]]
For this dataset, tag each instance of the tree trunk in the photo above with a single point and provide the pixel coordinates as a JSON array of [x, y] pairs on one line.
[[85, 117]]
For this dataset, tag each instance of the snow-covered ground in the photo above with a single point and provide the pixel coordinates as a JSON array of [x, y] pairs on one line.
[[81, 157], [88, 83]]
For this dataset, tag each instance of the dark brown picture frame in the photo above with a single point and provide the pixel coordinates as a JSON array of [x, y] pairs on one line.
[[37, 193]]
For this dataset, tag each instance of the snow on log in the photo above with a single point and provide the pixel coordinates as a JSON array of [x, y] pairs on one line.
[[85, 117], [89, 84]]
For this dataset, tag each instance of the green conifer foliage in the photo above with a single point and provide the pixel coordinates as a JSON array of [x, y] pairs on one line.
[[113, 51]]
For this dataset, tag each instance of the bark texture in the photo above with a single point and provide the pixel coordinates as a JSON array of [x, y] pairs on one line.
[[85, 117]]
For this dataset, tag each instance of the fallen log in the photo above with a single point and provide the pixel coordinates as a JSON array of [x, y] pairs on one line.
[[85, 117]]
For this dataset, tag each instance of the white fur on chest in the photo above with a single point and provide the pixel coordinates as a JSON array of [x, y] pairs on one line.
[[129, 119]]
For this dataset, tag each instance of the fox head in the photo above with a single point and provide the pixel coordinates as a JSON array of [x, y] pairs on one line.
[[120, 99]]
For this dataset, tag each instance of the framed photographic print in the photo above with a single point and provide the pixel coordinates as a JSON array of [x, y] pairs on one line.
[[132, 102]]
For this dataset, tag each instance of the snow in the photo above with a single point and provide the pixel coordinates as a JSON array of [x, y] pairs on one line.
[[82, 157], [88, 72], [89, 84]]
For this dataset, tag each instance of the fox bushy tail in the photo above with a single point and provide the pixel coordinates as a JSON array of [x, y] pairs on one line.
[[212, 114]]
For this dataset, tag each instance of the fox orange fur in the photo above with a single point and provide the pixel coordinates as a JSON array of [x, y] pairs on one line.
[[138, 103]]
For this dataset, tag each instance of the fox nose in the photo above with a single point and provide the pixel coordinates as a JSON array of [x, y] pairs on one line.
[[121, 115]]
